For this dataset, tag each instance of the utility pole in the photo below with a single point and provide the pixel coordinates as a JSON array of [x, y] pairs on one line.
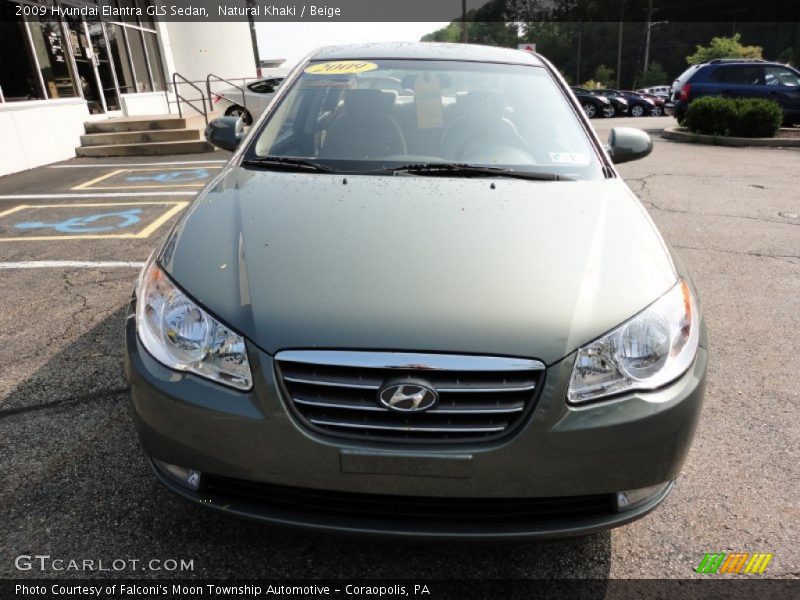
[[254, 38], [619, 43], [647, 37], [464, 21], [578, 68]]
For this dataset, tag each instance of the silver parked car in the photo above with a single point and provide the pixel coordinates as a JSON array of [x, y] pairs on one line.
[[248, 101], [434, 310]]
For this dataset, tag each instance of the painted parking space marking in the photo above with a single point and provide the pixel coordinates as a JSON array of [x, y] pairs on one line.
[[72, 264], [141, 164], [151, 177], [94, 223], [88, 221], [94, 195]]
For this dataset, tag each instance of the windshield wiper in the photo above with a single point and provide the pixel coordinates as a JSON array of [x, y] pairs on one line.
[[284, 163], [464, 169]]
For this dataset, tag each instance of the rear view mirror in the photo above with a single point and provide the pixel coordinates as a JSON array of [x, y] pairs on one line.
[[626, 144], [225, 132]]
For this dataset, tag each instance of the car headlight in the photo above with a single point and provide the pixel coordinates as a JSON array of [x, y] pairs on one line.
[[650, 350], [182, 336]]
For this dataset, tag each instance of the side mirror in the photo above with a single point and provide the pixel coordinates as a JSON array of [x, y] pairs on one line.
[[225, 132], [626, 144]]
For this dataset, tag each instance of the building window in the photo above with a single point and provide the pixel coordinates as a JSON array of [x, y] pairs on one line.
[[139, 60], [154, 58], [18, 79], [47, 57], [52, 55], [122, 63]]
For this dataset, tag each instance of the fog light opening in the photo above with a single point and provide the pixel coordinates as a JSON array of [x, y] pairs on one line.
[[630, 499], [188, 478]]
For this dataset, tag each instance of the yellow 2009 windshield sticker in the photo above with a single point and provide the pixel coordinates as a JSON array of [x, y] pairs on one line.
[[341, 67]]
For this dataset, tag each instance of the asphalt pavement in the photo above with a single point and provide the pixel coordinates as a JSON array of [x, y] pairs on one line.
[[75, 485]]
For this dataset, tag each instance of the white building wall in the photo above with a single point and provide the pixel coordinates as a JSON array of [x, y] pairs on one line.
[[197, 49], [41, 132], [150, 103]]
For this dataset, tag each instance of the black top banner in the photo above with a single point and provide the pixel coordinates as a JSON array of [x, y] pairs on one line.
[[506, 11], [369, 589]]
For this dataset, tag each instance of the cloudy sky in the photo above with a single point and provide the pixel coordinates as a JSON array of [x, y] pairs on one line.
[[293, 41]]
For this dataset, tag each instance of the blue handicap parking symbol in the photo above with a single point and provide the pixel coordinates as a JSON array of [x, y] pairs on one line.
[[172, 176], [119, 220]]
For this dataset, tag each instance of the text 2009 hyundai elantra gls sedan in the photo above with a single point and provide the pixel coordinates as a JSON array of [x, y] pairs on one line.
[[434, 312]]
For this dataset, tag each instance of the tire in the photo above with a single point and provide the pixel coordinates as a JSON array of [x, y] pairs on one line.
[[637, 111], [590, 110], [657, 111], [241, 112], [609, 112]]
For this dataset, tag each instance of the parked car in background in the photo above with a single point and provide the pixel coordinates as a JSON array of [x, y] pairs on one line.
[[661, 91], [658, 102], [438, 315], [247, 103], [738, 78], [637, 106], [593, 105]]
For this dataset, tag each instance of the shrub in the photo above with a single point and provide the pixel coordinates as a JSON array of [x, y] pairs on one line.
[[711, 116], [757, 118], [741, 117]]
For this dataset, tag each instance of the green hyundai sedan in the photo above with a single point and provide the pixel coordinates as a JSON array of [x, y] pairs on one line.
[[419, 301]]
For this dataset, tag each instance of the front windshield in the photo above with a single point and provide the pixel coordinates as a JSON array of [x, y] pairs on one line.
[[372, 116]]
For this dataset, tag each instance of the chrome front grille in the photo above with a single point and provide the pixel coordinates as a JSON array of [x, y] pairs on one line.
[[479, 398]]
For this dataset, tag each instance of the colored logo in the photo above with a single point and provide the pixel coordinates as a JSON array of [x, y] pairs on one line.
[[171, 176], [89, 224], [734, 563]]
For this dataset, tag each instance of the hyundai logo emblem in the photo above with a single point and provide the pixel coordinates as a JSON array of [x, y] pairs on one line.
[[408, 397]]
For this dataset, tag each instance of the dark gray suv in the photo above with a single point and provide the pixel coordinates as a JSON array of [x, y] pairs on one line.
[[438, 312], [738, 78]]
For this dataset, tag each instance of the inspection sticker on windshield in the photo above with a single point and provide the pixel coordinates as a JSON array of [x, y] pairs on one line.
[[340, 67], [569, 158]]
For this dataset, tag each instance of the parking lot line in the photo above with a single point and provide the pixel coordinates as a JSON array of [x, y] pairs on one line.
[[153, 164], [93, 195], [91, 182], [71, 264], [157, 177]]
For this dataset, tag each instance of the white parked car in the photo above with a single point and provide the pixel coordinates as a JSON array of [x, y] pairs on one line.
[[658, 90], [249, 102]]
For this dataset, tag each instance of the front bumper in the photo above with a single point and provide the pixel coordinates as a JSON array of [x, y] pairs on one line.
[[571, 456]]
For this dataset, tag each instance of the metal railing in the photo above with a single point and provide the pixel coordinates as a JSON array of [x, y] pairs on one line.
[[190, 102], [203, 102], [223, 80]]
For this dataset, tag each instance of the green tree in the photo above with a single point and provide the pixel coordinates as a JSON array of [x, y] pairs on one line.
[[478, 32], [724, 47], [656, 75], [605, 76]]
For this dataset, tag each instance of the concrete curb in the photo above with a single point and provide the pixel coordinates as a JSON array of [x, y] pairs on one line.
[[679, 134]]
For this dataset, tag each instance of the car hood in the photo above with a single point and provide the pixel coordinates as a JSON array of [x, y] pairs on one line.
[[435, 264]]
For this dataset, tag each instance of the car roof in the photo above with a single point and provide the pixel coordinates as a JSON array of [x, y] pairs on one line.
[[426, 51], [727, 62]]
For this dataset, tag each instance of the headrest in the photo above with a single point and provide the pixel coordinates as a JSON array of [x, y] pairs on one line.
[[364, 105]]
